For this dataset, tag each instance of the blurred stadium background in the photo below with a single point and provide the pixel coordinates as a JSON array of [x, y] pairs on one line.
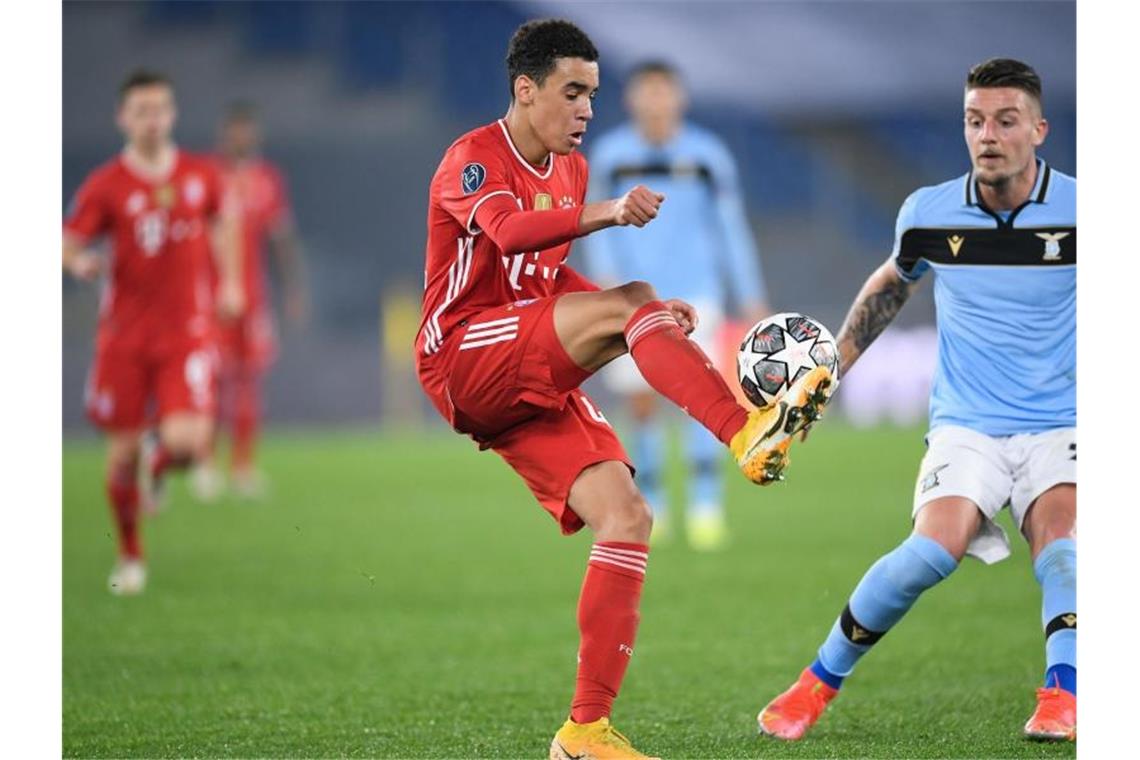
[[835, 112], [343, 617]]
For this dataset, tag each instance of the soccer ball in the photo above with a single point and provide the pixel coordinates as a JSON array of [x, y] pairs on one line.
[[779, 350]]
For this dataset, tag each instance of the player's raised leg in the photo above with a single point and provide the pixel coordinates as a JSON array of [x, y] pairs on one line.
[[606, 499], [1050, 528], [597, 327], [183, 438], [187, 393], [129, 574], [943, 530]]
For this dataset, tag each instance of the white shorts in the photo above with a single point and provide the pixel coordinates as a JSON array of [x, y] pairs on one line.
[[993, 472], [622, 377]]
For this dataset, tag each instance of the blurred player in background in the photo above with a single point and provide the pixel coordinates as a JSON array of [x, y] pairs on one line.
[[249, 344], [700, 249], [156, 342], [1002, 242], [509, 332]]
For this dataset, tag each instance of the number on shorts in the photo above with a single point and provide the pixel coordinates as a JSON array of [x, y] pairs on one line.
[[594, 413], [198, 376]]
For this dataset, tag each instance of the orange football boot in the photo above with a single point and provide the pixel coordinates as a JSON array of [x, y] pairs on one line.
[[791, 714], [1055, 718], [592, 741], [761, 446]]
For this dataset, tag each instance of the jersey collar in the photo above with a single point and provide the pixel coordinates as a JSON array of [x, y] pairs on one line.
[[141, 174], [523, 161], [1039, 194]]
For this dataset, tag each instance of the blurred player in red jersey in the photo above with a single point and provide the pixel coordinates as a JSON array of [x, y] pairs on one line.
[[509, 332], [156, 341], [248, 344]]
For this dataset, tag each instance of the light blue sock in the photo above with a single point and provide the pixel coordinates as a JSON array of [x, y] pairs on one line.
[[705, 455], [1056, 570], [880, 600], [649, 459]]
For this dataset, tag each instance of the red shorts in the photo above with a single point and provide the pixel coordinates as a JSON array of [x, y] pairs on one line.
[[124, 381], [508, 383], [250, 341]]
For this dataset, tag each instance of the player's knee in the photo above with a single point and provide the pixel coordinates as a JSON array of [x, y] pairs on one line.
[[122, 459], [953, 539], [636, 294], [630, 520], [186, 441]]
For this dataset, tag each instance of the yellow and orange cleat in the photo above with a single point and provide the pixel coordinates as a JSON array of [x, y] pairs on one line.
[[1055, 718], [761, 446], [592, 741], [791, 714]]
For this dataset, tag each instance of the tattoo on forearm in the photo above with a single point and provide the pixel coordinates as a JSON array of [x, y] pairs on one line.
[[871, 315]]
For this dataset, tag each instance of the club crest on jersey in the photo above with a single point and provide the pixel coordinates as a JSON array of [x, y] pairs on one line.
[[1052, 244], [543, 202], [194, 190], [473, 177]]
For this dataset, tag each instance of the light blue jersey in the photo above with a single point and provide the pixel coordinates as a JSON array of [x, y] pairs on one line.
[[1005, 298], [700, 248]]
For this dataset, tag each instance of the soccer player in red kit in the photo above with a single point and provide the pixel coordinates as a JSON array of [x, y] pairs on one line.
[[158, 206], [509, 331], [248, 344]]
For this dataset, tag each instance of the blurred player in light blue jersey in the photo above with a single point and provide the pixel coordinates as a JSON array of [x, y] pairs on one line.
[[1001, 242], [700, 247]]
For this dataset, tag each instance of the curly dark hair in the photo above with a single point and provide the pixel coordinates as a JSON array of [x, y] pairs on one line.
[[536, 44], [1005, 72]]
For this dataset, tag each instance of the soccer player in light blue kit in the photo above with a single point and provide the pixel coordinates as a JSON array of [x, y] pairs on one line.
[[1002, 245], [700, 248]]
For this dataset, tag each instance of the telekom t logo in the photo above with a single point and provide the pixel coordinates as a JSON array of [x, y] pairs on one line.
[[517, 265]]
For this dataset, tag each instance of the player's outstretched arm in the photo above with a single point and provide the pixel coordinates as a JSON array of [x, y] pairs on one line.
[[516, 231], [879, 301], [79, 262]]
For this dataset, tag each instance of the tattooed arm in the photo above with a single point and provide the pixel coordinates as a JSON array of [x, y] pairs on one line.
[[880, 300]]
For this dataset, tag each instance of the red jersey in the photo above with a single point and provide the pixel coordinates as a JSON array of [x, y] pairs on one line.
[[465, 271], [260, 194], [159, 289]]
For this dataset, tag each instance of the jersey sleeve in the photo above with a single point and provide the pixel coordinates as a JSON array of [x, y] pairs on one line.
[[908, 260], [740, 260], [88, 215], [469, 175]]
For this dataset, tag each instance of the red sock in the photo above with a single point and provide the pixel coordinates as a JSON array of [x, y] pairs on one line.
[[246, 405], [680, 371], [124, 496], [607, 620], [164, 460]]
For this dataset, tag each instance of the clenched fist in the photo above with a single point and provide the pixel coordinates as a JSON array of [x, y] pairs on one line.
[[637, 207]]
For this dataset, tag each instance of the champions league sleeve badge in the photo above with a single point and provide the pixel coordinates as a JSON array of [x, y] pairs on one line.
[[473, 177]]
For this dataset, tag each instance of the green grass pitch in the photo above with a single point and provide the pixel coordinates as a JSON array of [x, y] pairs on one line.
[[404, 596]]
